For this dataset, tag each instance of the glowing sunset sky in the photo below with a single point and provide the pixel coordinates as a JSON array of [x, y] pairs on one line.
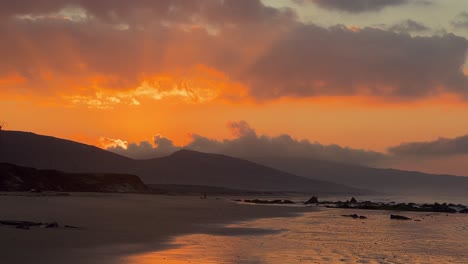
[[364, 74]]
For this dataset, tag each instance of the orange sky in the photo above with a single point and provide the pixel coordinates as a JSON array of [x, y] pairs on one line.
[[76, 72], [358, 122]]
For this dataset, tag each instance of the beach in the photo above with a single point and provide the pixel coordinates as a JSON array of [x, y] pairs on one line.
[[154, 229], [112, 226]]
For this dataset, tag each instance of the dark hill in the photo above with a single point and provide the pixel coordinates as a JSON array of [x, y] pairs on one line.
[[381, 180], [195, 168], [45, 152], [183, 167], [16, 178]]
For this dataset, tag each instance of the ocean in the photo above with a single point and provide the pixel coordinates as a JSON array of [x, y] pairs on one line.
[[325, 236]]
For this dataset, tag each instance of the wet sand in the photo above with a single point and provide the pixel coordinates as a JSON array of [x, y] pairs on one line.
[[117, 225], [326, 237]]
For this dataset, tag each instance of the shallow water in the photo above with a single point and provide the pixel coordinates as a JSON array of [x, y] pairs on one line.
[[324, 237]]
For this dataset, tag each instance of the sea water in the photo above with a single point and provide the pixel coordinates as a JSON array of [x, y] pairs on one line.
[[324, 236]]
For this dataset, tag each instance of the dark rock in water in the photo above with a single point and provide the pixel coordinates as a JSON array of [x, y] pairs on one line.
[[312, 200], [440, 208], [355, 216], [464, 211], [353, 200], [72, 227], [352, 216], [257, 201], [51, 225], [399, 217], [19, 223], [27, 224]]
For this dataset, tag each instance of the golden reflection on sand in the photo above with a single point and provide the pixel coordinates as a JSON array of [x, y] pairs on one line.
[[326, 237]]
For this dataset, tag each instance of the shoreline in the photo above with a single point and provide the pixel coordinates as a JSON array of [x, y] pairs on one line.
[[117, 225]]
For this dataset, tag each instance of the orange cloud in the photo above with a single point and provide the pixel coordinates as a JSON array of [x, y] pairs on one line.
[[12, 79]]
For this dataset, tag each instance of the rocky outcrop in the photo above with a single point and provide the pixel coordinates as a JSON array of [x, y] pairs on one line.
[[28, 224], [312, 200], [368, 205], [16, 178], [257, 201], [355, 216], [399, 217]]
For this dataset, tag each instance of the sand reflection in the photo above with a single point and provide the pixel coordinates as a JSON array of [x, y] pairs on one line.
[[324, 237]]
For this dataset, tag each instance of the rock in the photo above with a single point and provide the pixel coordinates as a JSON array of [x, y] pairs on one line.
[[257, 201], [19, 223], [355, 216], [352, 216], [464, 211], [353, 200], [312, 200], [399, 217], [51, 225], [72, 227]]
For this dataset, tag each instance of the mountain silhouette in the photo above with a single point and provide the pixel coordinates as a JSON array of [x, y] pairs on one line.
[[390, 181], [184, 167]]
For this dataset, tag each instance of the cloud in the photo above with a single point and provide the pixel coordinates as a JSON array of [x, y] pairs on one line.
[[444, 155], [122, 52], [440, 147], [357, 6], [461, 21], [409, 26], [247, 144], [314, 61], [160, 147], [109, 143]]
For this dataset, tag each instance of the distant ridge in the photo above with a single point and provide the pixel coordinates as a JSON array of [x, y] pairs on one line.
[[390, 181], [183, 167], [46, 152], [187, 167], [196, 168]]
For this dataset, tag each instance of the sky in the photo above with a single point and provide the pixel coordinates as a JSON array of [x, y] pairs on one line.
[[373, 82]]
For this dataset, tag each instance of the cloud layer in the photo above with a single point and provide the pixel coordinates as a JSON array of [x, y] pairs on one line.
[[248, 144], [461, 21], [110, 52], [358, 6], [409, 26], [440, 147]]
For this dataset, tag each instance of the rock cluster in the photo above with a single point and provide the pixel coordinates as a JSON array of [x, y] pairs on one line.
[[257, 201], [28, 224]]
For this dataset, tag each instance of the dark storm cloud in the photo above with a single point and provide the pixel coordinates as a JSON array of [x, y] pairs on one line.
[[149, 11], [312, 60], [263, 48], [409, 26], [357, 6], [439, 147]]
